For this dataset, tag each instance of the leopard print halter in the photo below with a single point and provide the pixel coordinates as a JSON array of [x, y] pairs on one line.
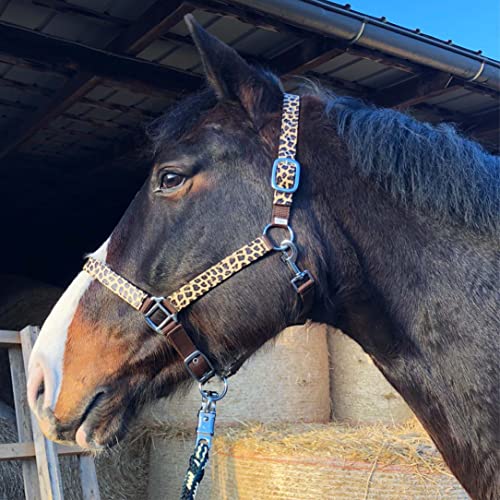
[[161, 312]]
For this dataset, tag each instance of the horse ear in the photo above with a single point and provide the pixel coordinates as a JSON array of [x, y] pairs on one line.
[[231, 77]]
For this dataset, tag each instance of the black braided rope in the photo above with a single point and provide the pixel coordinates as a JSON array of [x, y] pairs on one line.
[[197, 463]]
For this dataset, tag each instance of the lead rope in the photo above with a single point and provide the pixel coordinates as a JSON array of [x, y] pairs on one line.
[[204, 436]]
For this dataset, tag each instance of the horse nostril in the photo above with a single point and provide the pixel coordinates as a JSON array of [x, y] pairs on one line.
[[41, 390]]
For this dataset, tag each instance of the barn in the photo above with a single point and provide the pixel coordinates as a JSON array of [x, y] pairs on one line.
[[80, 79]]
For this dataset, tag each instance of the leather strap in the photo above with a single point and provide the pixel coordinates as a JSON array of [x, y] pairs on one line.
[[286, 170], [161, 313]]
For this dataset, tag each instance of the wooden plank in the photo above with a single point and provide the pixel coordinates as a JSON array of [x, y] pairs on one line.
[[46, 456], [26, 451], [23, 421], [9, 338], [88, 478], [159, 17]]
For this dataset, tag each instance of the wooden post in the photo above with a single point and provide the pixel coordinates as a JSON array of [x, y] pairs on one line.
[[41, 477], [88, 478], [46, 455], [23, 421]]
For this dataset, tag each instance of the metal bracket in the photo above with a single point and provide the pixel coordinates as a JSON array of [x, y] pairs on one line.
[[206, 376], [158, 306], [274, 181]]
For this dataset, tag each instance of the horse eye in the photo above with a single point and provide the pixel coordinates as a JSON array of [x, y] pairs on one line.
[[170, 181]]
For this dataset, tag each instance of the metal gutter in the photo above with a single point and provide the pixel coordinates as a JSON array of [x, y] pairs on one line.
[[322, 17]]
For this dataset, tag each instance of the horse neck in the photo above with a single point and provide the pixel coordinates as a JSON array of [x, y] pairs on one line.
[[401, 287]]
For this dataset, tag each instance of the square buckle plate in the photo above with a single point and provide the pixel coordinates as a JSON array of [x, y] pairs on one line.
[[301, 278], [287, 161], [158, 306], [206, 376]]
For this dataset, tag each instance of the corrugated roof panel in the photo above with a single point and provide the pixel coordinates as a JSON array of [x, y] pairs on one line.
[[157, 50], [100, 92], [336, 62], [471, 103], [183, 58], [448, 96], [23, 99], [102, 114], [31, 77], [154, 104], [24, 13], [384, 78], [229, 29], [81, 29], [100, 5], [79, 109], [264, 43], [126, 98], [358, 70], [202, 16], [129, 119], [129, 9]]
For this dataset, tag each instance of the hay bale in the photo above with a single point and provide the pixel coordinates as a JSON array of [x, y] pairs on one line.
[[285, 381], [359, 391], [169, 458], [122, 472], [311, 461]]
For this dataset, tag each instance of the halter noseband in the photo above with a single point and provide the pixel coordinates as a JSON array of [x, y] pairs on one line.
[[160, 313]]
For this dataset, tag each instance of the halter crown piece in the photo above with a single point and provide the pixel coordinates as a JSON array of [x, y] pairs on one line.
[[161, 313]]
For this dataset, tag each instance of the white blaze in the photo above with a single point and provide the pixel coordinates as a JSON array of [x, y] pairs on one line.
[[48, 351]]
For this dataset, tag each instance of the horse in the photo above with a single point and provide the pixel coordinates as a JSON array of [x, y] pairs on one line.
[[396, 222]]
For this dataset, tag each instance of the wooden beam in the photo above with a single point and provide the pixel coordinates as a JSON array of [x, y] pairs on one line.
[[159, 17], [43, 47], [9, 338], [64, 7], [25, 451], [305, 56], [414, 91]]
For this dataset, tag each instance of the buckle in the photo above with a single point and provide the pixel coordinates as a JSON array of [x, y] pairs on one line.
[[158, 306], [286, 161], [206, 376], [301, 279]]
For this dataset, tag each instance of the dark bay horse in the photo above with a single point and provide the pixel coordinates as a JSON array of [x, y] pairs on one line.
[[398, 221]]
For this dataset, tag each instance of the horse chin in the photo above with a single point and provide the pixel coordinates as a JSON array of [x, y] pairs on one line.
[[103, 427]]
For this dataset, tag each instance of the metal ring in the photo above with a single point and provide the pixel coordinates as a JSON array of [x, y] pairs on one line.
[[281, 247], [213, 395], [290, 245]]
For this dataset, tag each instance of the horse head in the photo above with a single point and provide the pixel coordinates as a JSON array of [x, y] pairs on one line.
[[96, 360]]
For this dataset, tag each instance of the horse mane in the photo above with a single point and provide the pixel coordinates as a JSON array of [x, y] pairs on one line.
[[431, 167]]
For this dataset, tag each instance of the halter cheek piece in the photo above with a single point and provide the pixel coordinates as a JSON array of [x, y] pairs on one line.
[[161, 313]]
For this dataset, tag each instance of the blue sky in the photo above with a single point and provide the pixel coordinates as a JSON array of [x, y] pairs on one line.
[[472, 24]]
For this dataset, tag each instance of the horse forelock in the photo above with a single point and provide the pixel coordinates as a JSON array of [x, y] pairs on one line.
[[431, 167]]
